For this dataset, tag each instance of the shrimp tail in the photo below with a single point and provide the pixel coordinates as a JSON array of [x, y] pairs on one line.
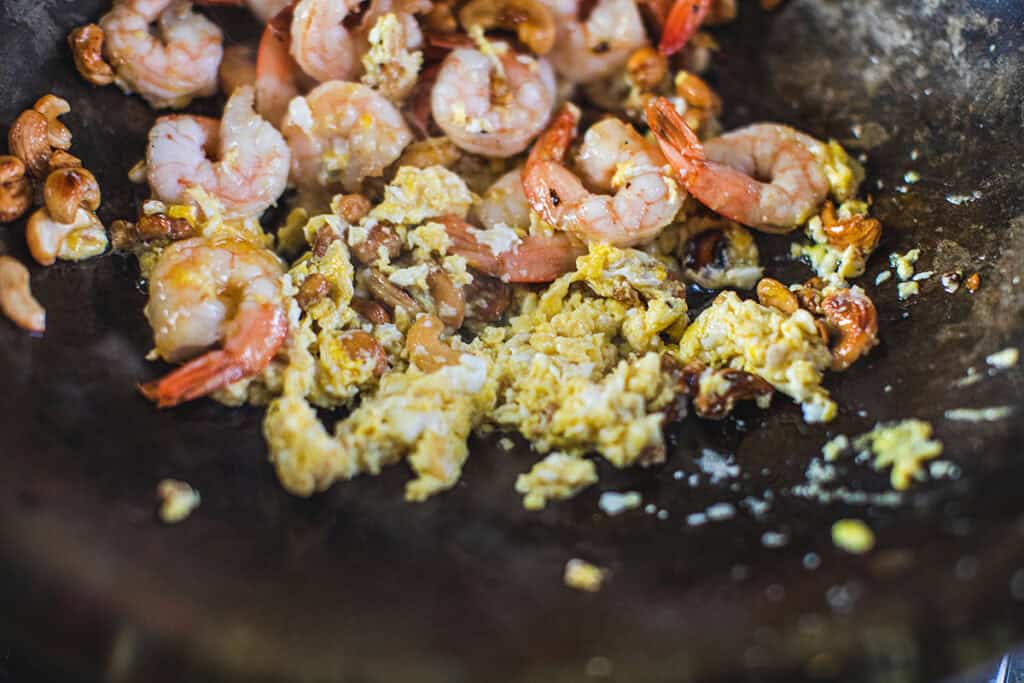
[[550, 147], [258, 334], [197, 378], [554, 142], [677, 140], [683, 20]]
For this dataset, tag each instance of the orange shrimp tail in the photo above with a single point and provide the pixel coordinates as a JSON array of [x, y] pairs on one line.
[[554, 142], [551, 146], [678, 142], [541, 259], [257, 335], [197, 378], [683, 20]]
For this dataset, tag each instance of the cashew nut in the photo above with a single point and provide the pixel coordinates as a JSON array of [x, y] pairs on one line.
[[450, 303], [49, 239], [371, 310], [28, 140], [312, 290], [530, 19], [61, 159], [87, 49], [425, 348], [53, 107], [69, 189], [388, 293], [360, 345], [16, 300], [351, 207], [15, 189], [487, 298], [854, 316], [776, 295], [380, 235], [721, 389], [647, 68]]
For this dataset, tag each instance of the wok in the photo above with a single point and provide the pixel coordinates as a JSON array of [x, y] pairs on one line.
[[357, 585]]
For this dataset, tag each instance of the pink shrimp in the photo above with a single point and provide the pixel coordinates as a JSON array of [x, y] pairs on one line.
[[614, 157], [535, 259], [722, 173], [683, 20], [202, 292]]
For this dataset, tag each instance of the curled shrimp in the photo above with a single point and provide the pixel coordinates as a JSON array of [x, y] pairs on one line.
[[723, 173], [341, 133], [492, 104], [277, 74], [320, 43], [253, 159], [169, 68], [613, 157], [533, 259], [587, 48], [204, 292]]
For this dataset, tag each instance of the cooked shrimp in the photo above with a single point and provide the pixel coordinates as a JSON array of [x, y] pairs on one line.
[[171, 67], [277, 74], [613, 157], [321, 44], [532, 259], [203, 292], [504, 203], [723, 173], [683, 20], [252, 170], [341, 133], [587, 48], [493, 104]]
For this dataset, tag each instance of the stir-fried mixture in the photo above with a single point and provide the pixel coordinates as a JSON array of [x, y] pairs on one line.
[[440, 218]]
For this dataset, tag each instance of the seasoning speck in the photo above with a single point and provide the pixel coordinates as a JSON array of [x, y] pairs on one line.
[[774, 539], [884, 276], [811, 561], [911, 177], [615, 503], [853, 536], [177, 500]]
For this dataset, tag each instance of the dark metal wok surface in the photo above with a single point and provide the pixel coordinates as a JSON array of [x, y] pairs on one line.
[[356, 585]]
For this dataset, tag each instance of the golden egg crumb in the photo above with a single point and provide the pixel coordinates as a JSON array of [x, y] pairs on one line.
[[177, 500], [853, 536], [556, 477], [583, 576]]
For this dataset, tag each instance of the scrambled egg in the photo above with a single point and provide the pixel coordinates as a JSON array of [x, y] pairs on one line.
[[556, 477], [853, 536], [417, 194], [389, 66], [784, 350], [582, 575]]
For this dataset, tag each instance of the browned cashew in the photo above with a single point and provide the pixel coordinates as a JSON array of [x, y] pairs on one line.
[[371, 310], [697, 93], [487, 298], [324, 238], [530, 19], [647, 68], [53, 107], [388, 293], [29, 140], [312, 290], [856, 320], [440, 19], [742, 386], [15, 189], [69, 189], [857, 230], [776, 295], [61, 159], [160, 226], [351, 207], [425, 348], [46, 237], [450, 303], [360, 345], [16, 300], [809, 295], [380, 235], [87, 49]]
